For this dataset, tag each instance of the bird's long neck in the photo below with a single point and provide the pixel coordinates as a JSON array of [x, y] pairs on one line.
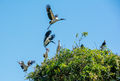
[[59, 44], [47, 52]]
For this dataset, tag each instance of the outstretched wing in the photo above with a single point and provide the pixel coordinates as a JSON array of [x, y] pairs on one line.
[[49, 39], [52, 37], [22, 65], [47, 34], [50, 13], [30, 62]]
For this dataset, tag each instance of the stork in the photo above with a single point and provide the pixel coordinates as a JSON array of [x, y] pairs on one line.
[[58, 47], [53, 18], [103, 45], [46, 53], [82, 46], [25, 67], [48, 38]]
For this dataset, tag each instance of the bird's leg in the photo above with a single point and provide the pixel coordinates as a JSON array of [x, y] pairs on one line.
[[49, 26]]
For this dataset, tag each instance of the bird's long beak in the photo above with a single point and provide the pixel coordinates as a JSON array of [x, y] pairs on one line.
[[62, 19]]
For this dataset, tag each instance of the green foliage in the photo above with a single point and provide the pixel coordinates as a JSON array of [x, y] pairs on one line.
[[83, 35], [79, 64]]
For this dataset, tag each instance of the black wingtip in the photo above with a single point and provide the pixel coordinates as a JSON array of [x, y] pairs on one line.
[[48, 6], [48, 33], [31, 62], [53, 36], [53, 42]]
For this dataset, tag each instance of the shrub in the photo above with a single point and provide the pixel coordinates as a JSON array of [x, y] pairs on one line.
[[78, 64]]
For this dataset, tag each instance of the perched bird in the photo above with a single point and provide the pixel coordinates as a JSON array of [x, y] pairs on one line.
[[25, 67], [82, 46], [53, 18], [48, 38], [103, 45], [58, 47], [46, 53]]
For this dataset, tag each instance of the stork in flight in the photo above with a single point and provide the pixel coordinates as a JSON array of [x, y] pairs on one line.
[[25, 67], [48, 38], [53, 18]]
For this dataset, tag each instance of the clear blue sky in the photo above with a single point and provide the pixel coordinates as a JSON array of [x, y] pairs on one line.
[[23, 24]]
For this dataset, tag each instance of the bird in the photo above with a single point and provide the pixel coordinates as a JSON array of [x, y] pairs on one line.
[[58, 47], [53, 18], [103, 45], [46, 53], [82, 46], [25, 67], [48, 38], [47, 34]]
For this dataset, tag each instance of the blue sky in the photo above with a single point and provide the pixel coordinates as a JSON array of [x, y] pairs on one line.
[[23, 24]]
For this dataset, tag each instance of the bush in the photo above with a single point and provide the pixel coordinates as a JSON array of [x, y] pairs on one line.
[[78, 64]]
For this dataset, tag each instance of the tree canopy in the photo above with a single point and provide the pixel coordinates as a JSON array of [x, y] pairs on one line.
[[79, 64]]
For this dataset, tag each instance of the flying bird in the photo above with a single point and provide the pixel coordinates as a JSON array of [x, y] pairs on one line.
[[103, 45], [48, 38], [47, 34], [58, 47], [53, 18], [25, 67], [46, 53]]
